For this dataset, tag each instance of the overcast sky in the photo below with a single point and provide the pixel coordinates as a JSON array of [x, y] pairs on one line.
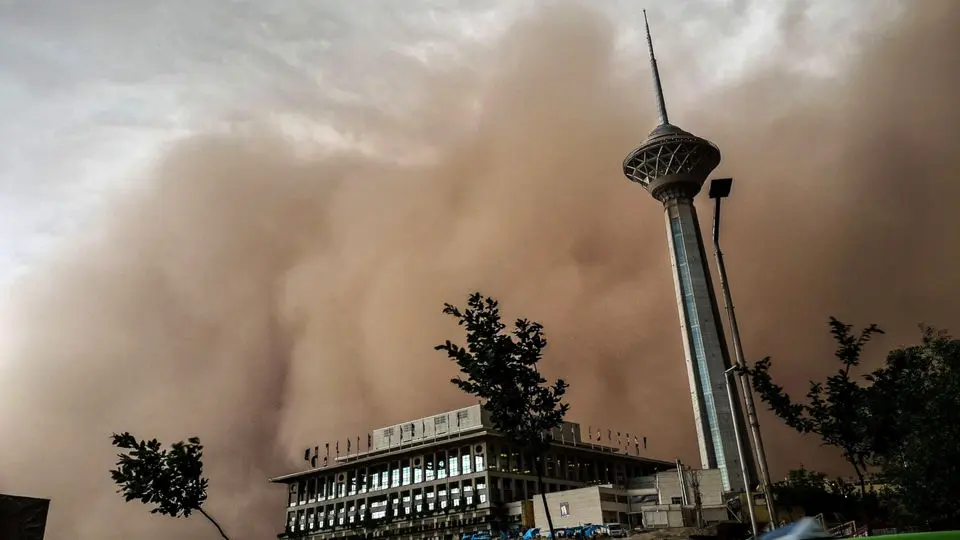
[[89, 91]]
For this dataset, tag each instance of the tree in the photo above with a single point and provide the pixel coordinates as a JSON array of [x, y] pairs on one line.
[[903, 420], [693, 481], [838, 409], [500, 369], [916, 398], [813, 492], [171, 480]]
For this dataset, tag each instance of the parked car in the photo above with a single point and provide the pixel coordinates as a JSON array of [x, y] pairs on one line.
[[616, 530]]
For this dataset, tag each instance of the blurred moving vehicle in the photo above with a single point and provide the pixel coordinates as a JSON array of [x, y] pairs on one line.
[[807, 528]]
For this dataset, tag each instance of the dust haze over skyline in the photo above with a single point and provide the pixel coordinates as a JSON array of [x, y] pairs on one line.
[[267, 300]]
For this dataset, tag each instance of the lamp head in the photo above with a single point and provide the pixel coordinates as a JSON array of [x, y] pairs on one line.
[[720, 187]]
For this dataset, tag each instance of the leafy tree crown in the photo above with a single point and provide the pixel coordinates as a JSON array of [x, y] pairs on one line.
[[170, 479], [500, 369]]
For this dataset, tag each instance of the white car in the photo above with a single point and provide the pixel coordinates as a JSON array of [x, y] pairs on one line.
[[615, 530]]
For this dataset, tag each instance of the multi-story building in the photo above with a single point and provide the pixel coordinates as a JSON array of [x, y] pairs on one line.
[[442, 476]]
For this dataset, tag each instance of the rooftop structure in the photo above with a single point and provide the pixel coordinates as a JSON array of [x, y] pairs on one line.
[[672, 165]]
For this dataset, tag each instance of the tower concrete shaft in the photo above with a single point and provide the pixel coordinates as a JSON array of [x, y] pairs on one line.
[[672, 165], [704, 347]]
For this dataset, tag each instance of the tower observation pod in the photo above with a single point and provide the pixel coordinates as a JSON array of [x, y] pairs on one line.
[[672, 165]]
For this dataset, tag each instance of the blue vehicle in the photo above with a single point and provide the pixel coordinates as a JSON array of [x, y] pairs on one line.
[[482, 535]]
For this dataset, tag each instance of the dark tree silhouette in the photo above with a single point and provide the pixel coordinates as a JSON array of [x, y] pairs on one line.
[[916, 401], [813, 492], [500, 369], [838, 409], [904, 419], [171, 480]]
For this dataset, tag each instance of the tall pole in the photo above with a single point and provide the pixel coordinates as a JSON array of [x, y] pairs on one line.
[[742, 454], [744, 378]]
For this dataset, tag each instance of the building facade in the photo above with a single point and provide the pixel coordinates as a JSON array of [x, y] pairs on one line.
[[678, 497], [443, 476]]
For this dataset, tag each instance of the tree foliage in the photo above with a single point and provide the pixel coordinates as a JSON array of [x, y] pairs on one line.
[[838, 409], [814, 493], [500, 369], [916, 400], [901, 421], [170, 480]]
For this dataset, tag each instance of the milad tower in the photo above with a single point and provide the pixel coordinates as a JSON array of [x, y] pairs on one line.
[[673, 165]]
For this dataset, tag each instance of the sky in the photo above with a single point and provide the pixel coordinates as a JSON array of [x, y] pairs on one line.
[[91, 93], [240, 220]]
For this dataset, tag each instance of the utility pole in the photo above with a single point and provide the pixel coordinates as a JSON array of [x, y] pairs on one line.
[[747, 492], [720, 189]]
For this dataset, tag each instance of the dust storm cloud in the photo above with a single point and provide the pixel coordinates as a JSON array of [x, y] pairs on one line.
[[267, 300]]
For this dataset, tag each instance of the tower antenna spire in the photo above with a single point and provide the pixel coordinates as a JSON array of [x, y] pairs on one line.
[[661, 104]]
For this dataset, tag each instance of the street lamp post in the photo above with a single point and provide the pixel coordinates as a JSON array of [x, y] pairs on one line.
[[720, 189], [747, 492]]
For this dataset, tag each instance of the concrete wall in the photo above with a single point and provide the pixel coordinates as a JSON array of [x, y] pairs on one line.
[[438, 425], [449, 423], [660, 517], [711, 486], [581, 506]]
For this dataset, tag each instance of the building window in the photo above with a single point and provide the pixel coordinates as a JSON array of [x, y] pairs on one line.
[[441, 465], [395, 474], [551, 471], [608, 497], [453, 468], [676, 500], [417, 471], [388, 433], [482, 491], [406, 473], [564, 509], [478, 458], [465, 460], [462, 418], [503, 459], [468, 492], [408, 431], [378, 509], [430, 474]]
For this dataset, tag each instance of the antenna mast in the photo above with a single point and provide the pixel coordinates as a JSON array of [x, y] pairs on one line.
[[661, 104]]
